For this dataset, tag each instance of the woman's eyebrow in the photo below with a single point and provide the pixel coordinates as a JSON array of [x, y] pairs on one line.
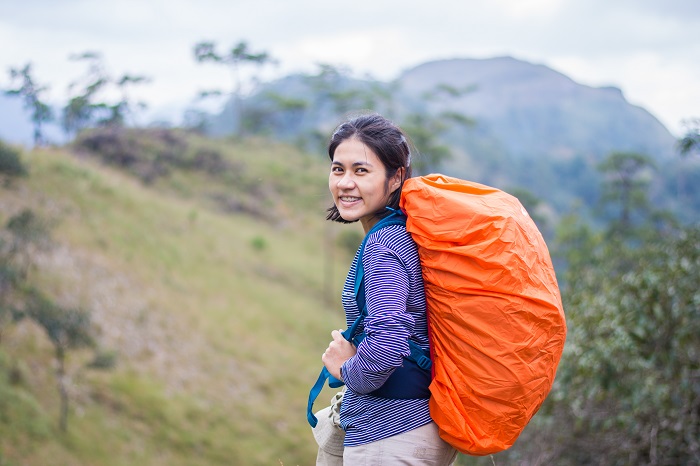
[[354, 164]]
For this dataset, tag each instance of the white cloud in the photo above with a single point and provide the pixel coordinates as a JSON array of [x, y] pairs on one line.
[[526, 9]]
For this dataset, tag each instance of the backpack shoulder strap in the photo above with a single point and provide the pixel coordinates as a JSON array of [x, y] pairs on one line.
[[396, 218], [418, 355]]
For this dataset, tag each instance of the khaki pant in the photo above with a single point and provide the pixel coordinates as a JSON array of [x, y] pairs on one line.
[[418, 447]]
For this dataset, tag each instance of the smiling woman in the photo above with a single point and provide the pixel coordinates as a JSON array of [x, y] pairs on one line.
[[384, 410]]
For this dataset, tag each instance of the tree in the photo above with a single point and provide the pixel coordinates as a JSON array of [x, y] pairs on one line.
[[425, 132], [427, 128], [79, 112], [28, 234], [237, 57], [690, 142], [626, 186], [335, 95], [89, 106], [273, 112], [338, 93], [24, 234], [532, 204], [124, 107], [446, 91], [627, 385], [30, 92], [9, 280], [67, 329]]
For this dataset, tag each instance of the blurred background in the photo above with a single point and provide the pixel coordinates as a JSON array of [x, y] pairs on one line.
[[168, 281]]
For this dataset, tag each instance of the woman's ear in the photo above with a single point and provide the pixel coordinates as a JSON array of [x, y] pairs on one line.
[[397, 179]]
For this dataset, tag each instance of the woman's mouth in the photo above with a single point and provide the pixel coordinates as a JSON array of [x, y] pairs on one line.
[[349, 199]]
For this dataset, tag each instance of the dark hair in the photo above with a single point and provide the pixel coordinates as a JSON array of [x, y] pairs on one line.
[[386, 140]]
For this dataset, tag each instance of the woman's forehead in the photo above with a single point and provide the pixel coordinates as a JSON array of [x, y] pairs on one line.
[[353, 150]]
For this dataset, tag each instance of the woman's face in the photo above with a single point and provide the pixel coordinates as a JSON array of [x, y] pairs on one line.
[[358, 183]]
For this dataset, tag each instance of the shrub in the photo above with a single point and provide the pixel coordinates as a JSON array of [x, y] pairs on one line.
[[10, 162], [148, 154], [258, 243], [103, 360]]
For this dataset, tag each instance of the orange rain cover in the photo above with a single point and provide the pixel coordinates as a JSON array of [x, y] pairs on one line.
[[496, 321]]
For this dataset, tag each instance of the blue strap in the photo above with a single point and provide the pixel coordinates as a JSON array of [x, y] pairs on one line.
[[418, 355], [316, 390], [395, 218]]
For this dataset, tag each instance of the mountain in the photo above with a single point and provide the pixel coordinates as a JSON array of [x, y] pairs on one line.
[[530, 110], [534, 128], [537, 129]]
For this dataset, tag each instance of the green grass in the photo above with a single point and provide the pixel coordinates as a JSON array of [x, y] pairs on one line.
[[217, 339]]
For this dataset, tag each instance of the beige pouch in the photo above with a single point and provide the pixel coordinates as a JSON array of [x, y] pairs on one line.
[[328, 433]]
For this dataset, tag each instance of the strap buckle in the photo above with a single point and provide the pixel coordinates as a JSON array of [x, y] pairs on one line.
[[424, 362]]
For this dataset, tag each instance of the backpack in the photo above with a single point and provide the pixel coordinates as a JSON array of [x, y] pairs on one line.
[[495, 319]]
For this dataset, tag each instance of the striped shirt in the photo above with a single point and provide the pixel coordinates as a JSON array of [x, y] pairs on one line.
[[396, 311]]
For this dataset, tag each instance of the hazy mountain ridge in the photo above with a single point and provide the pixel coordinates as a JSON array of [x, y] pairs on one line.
[[531, 110], [535, 128]]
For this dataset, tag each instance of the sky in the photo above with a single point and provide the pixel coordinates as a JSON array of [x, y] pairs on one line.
[[648, 48]]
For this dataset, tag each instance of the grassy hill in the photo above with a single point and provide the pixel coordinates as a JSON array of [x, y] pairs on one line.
[[215, 286]]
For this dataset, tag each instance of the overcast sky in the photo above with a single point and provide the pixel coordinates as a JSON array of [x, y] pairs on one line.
[[648, 48]]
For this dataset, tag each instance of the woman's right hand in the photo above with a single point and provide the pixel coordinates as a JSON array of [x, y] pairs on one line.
[[339, 350]]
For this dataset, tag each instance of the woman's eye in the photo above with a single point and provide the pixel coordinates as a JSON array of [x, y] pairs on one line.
[[361, 170]]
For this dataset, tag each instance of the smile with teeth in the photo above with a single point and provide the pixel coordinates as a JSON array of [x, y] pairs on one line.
[[349, 198]]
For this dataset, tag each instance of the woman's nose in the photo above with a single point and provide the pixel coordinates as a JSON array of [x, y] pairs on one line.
[[346, 182]]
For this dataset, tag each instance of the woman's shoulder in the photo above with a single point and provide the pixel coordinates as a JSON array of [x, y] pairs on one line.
[[394, 237]]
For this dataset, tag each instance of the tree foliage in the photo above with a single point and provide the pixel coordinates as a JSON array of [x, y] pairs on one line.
[[628, 385], [274, 111], [66, 328], [90, 103], [625, 184], [30, 91], [237, 57], [425, 131], [690, 142]]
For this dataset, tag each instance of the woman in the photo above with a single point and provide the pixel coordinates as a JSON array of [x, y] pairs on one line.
[[370, 159]]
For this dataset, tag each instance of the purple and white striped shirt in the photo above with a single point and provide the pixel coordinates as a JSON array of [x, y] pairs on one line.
[[396, 311]]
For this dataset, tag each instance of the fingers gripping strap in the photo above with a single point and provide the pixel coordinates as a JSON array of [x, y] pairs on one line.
[[325, 375]]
